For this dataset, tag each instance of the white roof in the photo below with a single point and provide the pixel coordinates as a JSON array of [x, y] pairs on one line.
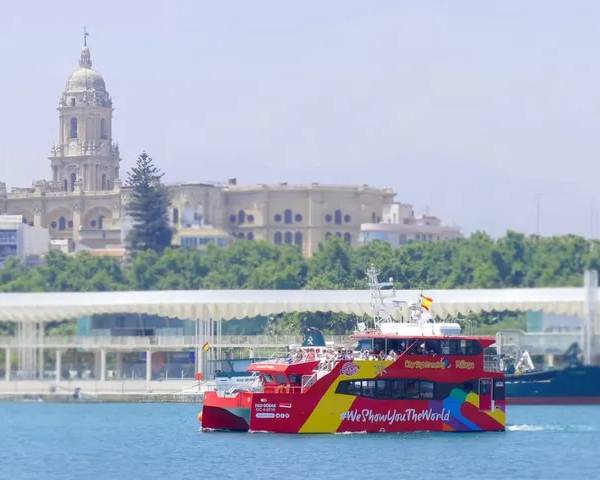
[[230, 304]]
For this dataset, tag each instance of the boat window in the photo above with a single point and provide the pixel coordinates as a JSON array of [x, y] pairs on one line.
[[365, 344], [499, 392], [464, 347], [473, 348], [378, 344], [445, 346], [426, 390], [403, 345], [280, 378], [433, 347], [396, 388], [393, 344], [295, 378], [268, 378], [485, 386], [411, 389], [417, 347], [368, 388], [454, 347], [381, 389], [406, 388]]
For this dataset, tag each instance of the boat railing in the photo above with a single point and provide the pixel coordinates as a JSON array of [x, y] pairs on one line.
[[491, 363], [308, 381]]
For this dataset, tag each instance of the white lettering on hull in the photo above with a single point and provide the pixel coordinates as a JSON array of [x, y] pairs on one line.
[[366, 415]]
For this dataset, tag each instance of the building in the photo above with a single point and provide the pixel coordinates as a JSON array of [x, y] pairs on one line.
[[83, 205], [18, 239], [400, 226]]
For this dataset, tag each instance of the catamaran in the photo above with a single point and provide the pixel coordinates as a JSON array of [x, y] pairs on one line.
[[405, 372]]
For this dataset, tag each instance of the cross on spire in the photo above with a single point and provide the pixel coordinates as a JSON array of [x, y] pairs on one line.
[[85, 60]]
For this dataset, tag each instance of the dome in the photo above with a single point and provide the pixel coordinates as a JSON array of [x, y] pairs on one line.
[[85, 79]]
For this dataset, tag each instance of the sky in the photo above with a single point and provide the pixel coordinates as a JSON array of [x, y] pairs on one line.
[[486, 114]]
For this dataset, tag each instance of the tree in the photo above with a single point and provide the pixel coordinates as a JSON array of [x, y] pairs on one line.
[[331, 266], [148, 207]]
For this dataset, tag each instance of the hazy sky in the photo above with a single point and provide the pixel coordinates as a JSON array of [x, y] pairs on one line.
[[472, 110]]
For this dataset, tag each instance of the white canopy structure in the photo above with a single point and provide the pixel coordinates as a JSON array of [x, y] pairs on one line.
[[208, 308], [236, 304]]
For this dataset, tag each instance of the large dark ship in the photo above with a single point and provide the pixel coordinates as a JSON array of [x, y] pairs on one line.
[[574, 383]]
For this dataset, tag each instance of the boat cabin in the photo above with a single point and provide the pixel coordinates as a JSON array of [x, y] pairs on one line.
[[386, 345]]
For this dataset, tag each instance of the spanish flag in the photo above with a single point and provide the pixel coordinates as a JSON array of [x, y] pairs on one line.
[[206, 346], [426, 302]]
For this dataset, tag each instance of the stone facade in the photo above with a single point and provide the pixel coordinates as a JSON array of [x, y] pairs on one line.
[[84, 201]]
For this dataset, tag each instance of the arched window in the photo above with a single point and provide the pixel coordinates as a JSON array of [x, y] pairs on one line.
[[103, 182], [175, 216], [277, 238], [232, 218], [241, 216], [100, 222], [327, 235], [73, 128], [277, 217], [65, 185], [62, 223], [287, 216], [338, 234], [338, 217], [241, 235], [250, 236], [298, 238], [250, 218], [347, 238], [72, 102], [328, 218], [288, 237], [298, 217], [347, 218], [103, 133], [73, 180]]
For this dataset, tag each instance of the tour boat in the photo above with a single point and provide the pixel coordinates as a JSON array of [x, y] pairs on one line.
[[401, 375]]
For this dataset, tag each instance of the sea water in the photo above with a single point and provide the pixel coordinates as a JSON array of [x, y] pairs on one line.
[[163, 441]]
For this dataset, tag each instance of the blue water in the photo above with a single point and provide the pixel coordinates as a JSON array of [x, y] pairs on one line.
[[154, 441]]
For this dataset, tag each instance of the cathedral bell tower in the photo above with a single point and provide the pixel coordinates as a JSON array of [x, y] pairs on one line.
[[85, 157]]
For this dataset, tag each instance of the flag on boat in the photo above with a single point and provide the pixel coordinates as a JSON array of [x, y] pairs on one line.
[[206, 346], [426, 302]]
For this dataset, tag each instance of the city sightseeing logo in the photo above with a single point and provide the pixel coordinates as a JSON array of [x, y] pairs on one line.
[[349, 369], [441, 364]]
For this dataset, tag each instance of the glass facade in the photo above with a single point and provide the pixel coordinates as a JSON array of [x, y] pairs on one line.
[[8, 244]]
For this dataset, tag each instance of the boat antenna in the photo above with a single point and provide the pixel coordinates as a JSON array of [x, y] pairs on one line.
[[379, 313]]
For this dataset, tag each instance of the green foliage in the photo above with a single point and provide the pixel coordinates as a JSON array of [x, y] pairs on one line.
[[331, 267], [479, 261], [148, 207]]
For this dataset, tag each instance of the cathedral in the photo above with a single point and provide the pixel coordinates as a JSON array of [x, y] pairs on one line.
[[83, 205]]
